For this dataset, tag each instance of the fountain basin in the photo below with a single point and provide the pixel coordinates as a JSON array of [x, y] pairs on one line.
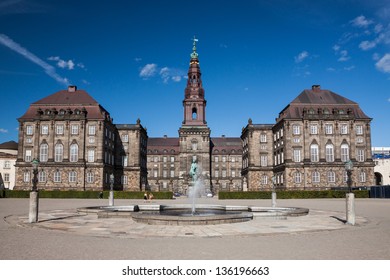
[[181, 214]]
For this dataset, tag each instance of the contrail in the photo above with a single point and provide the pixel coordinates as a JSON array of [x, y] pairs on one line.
[[50, 70]]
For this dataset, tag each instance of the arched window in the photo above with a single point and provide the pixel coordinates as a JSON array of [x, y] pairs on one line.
[[74, 153], [344, 152], [72, 176], [42, 176], [90, 177], [331, 177], [316, 177], [297, 177], [194, 113], [43, 152], [329, 153], [314, 152], [58, 152]]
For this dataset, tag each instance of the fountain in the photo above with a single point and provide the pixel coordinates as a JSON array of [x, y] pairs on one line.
[[193, 214]]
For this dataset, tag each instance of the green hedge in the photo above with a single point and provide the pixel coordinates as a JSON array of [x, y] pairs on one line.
[[290, 194], [83, 194]]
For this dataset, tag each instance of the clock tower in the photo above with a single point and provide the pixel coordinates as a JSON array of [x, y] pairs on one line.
[[194, 133]]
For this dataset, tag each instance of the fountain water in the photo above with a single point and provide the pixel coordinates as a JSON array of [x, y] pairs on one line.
[[196, 187]]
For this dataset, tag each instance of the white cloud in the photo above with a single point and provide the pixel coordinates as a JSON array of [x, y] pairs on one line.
[[176, 78], [2, 130], [149, 70], [361, 21], [166, 74], [65, 64], [349, 68], [49, 70], [384, 64], [343, 56], [137, 59], [301, 57]]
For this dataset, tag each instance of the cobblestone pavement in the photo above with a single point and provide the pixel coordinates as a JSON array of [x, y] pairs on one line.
[[62, 233]]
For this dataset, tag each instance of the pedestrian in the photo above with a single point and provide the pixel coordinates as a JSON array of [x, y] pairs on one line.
[[145, 196]]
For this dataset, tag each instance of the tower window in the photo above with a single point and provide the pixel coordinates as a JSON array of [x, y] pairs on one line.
[[194, 114]]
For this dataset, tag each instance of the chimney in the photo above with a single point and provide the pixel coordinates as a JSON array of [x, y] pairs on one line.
[[165, 136], [316, 87], [223, 135], [72, 88]]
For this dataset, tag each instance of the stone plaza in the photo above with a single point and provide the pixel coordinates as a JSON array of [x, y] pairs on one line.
[[63, 233]]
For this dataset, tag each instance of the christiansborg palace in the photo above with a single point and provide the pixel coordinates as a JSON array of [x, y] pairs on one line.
[[79, 146]]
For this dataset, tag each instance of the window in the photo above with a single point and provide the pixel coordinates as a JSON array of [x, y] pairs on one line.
[[91, 155], [296, 129], [124, 180], [74, 129], [155, 173], [172, 173], [44, 129], [223, 159], [172, 159], [26, 177], [29, 130], [155, 159], [362, 177], [125, 160], [263, 138], [91, 130], [344, 129], [91, 140], [74, 153], [72, 176], [216, 173], [314, 152], [57, 176], [313, 129], [329, 153], [296, 155], [59, 129], [360, 155], [58, 152], [7, 164], [316, 177], [6, 177], [233, 173], [28, 140], [42, 176], [296, 140], [194, 146], [263, 160], [345, 176], [43, 152], [344, 152], [264, 180], [165, 159], [216, 159], [328, 129], [27, 156], [90, 177], [359, 130], [297, 177], [224, 173], [165, 173], [125, 138], [331, 177]]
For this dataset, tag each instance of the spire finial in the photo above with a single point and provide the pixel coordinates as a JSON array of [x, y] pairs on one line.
[[194, 54]]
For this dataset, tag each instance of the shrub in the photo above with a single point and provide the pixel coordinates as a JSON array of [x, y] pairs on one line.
[[290, 194]]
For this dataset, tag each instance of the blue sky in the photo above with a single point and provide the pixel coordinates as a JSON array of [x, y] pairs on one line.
[[255, 57]]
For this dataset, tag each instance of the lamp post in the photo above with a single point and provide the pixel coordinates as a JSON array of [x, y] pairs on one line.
[[273, 191], [34, 195], [350, 196], [111, 199]]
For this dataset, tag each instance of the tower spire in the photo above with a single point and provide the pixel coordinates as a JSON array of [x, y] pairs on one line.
[[194, 54]]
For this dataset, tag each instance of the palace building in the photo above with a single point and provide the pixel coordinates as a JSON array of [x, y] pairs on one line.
[[79, 146]]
